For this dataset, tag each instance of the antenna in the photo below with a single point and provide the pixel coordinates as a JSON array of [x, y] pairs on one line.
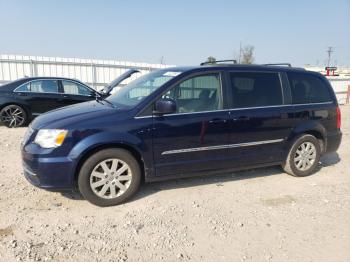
[[329, 52]]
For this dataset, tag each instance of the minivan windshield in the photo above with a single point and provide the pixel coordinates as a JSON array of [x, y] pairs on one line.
[[133, 93]]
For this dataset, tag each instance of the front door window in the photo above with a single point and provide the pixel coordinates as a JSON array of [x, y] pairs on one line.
[[73, 88], [197, 94]]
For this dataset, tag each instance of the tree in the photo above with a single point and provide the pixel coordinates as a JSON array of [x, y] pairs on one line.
[[211, 60], [247, 54]]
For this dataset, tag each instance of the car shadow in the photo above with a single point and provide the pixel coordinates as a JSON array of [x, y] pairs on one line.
[[330, 159], [148, 189], [72, 194], [217, 179]]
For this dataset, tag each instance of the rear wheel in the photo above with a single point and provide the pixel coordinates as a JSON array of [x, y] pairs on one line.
[[109, 177], [303, 157], [13, 116]]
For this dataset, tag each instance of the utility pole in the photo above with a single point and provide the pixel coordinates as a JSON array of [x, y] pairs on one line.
[[329, 52], [240, 52], [162, 60]]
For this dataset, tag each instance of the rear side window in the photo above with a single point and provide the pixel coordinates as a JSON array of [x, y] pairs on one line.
[[254, 89], [308, 88], [44, 86], [39, 86]]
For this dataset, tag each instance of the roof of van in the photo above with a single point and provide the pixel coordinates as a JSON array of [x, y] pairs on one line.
[[242, 67]]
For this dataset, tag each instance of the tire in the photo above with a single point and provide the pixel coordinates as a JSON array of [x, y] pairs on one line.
[[292, 164], [13, 116], [99, 180]]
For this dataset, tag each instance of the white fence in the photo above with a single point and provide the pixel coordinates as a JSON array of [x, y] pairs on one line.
[[96, 73], [341, 88]]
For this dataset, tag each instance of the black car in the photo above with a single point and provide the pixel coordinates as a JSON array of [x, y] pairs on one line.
[[185, 121], [23, 99]]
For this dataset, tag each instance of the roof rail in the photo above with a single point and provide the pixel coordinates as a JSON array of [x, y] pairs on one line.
[[279, 64], [218, 61]]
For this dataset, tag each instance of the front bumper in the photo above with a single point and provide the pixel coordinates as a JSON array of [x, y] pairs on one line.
[[47, 172]]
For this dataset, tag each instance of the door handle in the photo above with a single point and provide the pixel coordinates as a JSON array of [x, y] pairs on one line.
[[241, 118], [22, 94]]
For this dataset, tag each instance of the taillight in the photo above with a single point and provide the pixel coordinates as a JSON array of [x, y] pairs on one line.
[[338, 117]]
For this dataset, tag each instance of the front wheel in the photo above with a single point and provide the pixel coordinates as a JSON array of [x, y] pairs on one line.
[[109, 177], [303, 157], [13, 116]]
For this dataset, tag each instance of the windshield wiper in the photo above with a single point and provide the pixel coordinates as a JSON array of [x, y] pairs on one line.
[[105, 100], [101, 101]]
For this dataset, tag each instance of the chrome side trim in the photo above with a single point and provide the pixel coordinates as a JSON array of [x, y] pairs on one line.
[[51, 79], [188, 113], [242, 108], [139, 117], [196, 149], [320, 103]]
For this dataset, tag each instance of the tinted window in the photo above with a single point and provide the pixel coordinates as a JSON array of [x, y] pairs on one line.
[[255, 89], [74, 88], [308, 89], [200, 93], [24, 88], [39, 86], [44, 86]]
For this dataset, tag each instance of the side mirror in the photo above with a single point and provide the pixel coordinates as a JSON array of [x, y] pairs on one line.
[[164, 106]]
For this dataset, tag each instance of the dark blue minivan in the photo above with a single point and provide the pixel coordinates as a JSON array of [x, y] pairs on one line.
[[183, 121]]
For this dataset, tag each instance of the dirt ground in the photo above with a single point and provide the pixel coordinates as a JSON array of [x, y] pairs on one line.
[[256, 215]]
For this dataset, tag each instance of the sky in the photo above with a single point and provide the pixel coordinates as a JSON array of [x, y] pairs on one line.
[[178, 32]]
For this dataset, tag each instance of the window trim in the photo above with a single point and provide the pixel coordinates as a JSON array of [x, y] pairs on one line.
[[229, 87], [50, 79], [241, 108], [39, 79], [195, 74]]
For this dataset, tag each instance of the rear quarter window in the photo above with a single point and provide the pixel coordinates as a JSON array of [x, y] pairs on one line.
[[307, 88], [23, 88]]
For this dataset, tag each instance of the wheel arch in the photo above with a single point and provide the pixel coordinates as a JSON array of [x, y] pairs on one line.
[[312, 128], [92, 150]]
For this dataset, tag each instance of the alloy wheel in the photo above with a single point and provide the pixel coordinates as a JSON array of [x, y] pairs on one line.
[[13, 116]]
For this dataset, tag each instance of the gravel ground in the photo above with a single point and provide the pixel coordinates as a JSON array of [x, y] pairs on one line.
[[256, 215]]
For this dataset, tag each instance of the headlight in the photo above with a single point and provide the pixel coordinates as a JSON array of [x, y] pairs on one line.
[[50, 138]]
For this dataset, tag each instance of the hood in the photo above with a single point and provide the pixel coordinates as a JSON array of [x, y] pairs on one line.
[[107, 90], [70, 115]]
